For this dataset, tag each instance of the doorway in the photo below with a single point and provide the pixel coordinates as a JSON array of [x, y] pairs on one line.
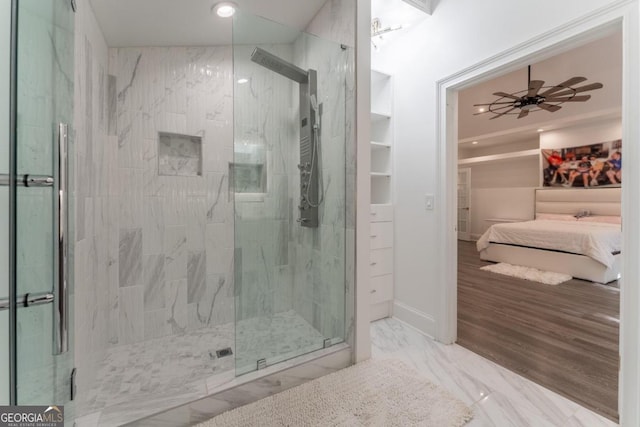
[[562, 336], [589, 28]]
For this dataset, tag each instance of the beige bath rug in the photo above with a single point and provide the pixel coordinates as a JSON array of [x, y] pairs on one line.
[[381, 393]]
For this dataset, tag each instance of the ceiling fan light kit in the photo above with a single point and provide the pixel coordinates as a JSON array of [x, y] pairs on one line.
[[530, 100]]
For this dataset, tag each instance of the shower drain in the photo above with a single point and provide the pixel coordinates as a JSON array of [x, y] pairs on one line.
[[221, 353]]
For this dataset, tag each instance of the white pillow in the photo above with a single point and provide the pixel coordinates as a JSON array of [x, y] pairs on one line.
[[607, 219], [582, 213], [555, 217]]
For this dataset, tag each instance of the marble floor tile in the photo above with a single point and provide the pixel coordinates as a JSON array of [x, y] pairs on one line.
[[585, 417], [497, 409], [497, 396], [143, 378]]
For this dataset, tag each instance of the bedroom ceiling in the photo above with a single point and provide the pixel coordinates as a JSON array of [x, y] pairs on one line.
[[598, 61], [188, 23]]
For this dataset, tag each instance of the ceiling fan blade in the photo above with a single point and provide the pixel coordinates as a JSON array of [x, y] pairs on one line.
[[523, 113], [564, 85], [502, 114], [506, 95], [581, 98], [592, 86], [534, 87], [549, 107], [492, 103]]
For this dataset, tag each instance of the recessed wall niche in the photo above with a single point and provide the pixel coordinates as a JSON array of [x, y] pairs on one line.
[[248, 172], [179, 155]]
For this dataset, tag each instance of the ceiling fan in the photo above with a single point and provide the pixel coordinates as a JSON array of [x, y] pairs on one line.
[[529, 100]]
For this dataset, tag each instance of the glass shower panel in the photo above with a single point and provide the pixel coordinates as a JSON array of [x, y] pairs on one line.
[[44, 101], [289, 190], [5, 36]]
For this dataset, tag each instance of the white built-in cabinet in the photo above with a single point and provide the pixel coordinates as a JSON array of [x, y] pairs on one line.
[[381, 196]]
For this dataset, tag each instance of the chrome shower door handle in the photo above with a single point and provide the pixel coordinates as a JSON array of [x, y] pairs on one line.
[[61, 290]]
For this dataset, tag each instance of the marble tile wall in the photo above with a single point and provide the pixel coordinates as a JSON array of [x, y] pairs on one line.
[[154, 254], [264, 117], [335, 21], [325, 257], [94, 175], [175, 236]]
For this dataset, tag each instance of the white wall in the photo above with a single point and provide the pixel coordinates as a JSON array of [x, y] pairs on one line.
[[502, 189], [499, 203], [444, 44], [5, 35], [505, 189], [591, 133]]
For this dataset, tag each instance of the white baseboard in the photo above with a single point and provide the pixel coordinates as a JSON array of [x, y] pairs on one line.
[[423, 322]]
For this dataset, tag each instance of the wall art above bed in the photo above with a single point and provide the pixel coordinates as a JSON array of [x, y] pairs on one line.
[[585, 166]]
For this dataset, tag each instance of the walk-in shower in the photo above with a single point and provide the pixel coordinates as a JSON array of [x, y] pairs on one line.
[[208, 220], [309, 119], [290, 238]]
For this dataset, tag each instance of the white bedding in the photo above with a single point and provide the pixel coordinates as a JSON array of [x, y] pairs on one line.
[[595, 240]]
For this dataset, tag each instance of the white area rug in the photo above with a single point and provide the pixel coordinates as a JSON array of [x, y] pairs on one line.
[[528, 273], [381, 393]]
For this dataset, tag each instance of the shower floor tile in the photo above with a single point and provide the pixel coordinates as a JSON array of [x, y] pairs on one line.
[[275, 339], [138, 380]]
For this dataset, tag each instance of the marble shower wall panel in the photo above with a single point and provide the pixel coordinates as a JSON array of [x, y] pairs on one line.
[[266, 111], [335, 21], [95, 203], [175, 243], [325, 257]]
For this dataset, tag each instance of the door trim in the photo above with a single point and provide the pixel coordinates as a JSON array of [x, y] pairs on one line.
[[622, 14], [467, 235]]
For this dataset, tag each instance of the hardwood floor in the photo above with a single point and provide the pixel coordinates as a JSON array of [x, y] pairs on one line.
[[563, 337]]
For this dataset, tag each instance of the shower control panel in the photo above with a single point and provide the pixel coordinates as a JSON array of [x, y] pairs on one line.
[[310, 111], [309, 154]]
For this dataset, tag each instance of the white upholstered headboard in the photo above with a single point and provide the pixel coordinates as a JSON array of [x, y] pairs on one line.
[[598, 201]]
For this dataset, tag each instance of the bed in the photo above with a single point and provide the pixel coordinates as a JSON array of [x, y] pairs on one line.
[[586, 248]]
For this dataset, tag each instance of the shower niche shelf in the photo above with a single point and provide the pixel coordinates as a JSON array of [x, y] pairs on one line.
[[381, 196], [179, 155]]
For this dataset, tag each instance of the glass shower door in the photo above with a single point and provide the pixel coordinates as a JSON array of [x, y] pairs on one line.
[[44, 104], [288, 178]]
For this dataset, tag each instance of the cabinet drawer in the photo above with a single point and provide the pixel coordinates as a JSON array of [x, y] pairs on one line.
[[381, 261], [380, 213], [381, 235], [381, 288]]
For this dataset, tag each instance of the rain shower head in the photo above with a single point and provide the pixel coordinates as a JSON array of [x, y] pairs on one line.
[[279, 65]]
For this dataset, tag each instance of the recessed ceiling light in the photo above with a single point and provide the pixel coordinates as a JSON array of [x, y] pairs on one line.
[[242, 81], [540, 130], [475, 142], [224, 9], [481, 110]]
